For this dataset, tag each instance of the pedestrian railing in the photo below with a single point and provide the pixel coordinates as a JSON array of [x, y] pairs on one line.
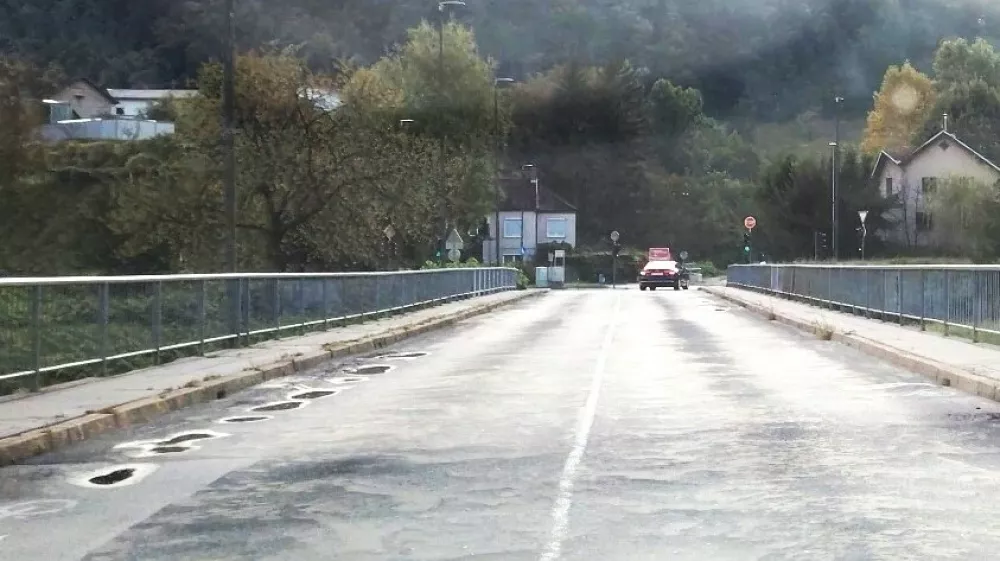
[[83, 324], [964, 299]]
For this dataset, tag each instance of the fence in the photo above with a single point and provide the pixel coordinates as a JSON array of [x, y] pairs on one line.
[[81, 325], [960, 299]]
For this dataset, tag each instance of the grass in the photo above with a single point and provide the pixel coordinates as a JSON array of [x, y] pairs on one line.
[[824, 331]]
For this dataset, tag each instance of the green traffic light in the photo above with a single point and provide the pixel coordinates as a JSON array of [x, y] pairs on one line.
[[746, 249]]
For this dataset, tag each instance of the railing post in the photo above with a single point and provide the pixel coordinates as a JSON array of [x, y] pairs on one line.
[[378, 296], [103, 312], [829, 289], [276, 307], [244, 287], [899, 295], [976, 307], [36, 335], [923, 298], [868, 293], [157, 319], [947, 300], [885, 295], [326, 303], [202, 296], [300, 304]]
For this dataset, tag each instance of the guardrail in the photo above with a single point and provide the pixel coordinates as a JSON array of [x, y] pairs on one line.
[[75, 324], [960, 298]]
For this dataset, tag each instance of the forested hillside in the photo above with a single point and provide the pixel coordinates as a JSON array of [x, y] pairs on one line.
[[667, 120], [756, 59]]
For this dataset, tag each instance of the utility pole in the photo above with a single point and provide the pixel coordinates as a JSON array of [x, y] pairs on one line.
[[833, 201], [835, 164], [497, 149], [229, 164]]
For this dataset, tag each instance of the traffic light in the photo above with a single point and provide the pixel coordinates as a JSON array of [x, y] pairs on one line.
[[616, 249]]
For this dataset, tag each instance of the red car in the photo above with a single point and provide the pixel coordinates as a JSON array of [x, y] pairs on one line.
[[663, 273]]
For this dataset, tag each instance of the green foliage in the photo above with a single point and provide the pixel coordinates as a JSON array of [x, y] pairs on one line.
[[967, 218]]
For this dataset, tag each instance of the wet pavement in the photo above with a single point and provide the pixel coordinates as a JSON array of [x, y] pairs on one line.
[[585, 425]]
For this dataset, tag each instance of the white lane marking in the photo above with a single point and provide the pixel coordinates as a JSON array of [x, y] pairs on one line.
[[585, 422]]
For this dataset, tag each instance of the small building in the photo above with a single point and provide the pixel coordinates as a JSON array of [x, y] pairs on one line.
[[529, 215], [137, 103], [912, 174]]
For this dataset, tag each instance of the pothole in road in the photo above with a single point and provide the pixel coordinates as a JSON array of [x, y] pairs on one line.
[[974, 417], [169, 449], [373, 369], [189, 437], [403, 355], [313, 394], [110, 478], [246, 419], [279, 406], [181, 439], [114, 476]]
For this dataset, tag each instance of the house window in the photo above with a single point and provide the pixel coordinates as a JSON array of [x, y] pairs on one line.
[[555, 228], [512, 259], [929, 185], [924, 221], [512, 227], [888, 187]]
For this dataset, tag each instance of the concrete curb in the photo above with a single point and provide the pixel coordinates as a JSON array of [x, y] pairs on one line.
[[53, 437], [943, 374]]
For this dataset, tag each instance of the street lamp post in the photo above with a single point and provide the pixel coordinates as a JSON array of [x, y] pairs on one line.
[[496, 180], [837, 102], [229, 165], [833, 201]]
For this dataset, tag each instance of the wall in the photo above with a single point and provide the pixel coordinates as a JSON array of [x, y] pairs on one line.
[[106, 129]]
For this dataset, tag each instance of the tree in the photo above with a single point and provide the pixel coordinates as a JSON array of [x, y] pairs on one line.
[[902, 106], [316, 187], [965, 213], [449, 100], [968, 90]]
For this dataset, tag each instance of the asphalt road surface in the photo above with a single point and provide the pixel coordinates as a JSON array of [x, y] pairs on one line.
[[586, 425]]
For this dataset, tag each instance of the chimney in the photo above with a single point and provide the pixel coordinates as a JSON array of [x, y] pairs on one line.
[[945, 125]]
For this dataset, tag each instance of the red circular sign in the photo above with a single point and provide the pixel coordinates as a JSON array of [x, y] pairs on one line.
[[750, 222]]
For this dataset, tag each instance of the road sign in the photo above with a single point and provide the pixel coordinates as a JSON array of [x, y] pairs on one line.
[[684, 255], [454, 255], [454, 241], [615, 236], [750, 222], [863, 214]]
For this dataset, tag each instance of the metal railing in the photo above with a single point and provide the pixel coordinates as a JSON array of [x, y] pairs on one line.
[[960, 298], [81, 324]]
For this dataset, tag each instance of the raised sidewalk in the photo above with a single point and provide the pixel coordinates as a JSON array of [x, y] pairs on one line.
[[40, 422]]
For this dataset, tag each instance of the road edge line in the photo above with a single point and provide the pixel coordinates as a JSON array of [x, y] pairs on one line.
[[49, 438], [942, 374]]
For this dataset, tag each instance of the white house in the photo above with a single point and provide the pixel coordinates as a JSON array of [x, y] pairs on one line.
[[529, 215], [136, 103], [913, 174]]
